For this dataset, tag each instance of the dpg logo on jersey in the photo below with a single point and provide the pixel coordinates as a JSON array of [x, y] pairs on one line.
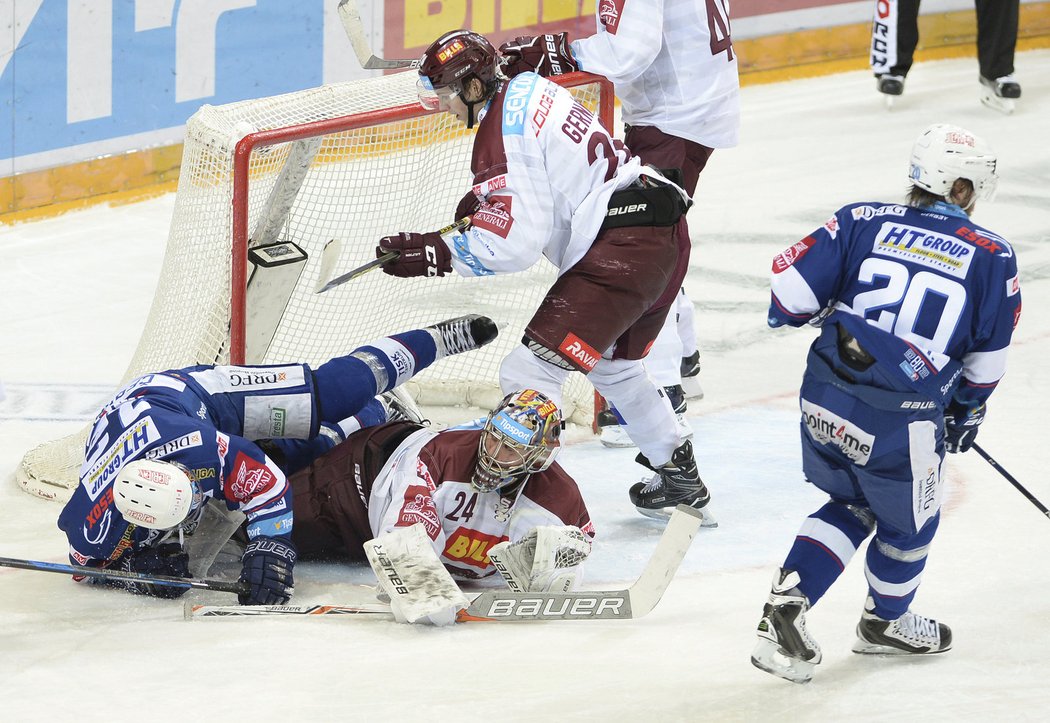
[[419, 507], [249, 379], [865, 213], [250, 478], [579, 351], [921, 246], [515, 101], [470, 547], [609, 12], [186, 441], [827, 428], [783, 260]]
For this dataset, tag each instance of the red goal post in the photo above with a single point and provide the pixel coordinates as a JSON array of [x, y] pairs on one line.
[[265, 184]]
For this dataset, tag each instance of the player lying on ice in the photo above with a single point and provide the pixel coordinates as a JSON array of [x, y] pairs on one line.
[[550, 181], [486, 499], [171, 440]]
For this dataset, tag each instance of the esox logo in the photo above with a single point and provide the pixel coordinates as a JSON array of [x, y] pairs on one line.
[[579, 351]]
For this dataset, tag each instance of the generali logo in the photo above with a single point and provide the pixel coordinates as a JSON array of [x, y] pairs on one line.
[[609, 12]]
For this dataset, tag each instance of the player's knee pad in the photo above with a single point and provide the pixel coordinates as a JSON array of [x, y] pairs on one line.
[[522, 369]]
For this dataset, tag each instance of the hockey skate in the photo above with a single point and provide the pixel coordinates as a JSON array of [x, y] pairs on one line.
[[910, 634], [611, 431], [401, 407], [1000, 94], [690, 376], [675, 483], [890, 86], [464, 333], [785, 648]]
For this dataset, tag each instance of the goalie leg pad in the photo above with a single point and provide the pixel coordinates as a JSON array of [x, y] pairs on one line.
[[421, 590]]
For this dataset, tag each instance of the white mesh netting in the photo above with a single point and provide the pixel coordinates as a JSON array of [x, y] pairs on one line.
[[404, 172]]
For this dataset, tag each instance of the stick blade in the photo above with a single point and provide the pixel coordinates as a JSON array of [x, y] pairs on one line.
[[685, 522], [329, 258]]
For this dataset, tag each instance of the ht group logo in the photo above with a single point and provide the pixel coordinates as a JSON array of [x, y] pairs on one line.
[[95, 70]]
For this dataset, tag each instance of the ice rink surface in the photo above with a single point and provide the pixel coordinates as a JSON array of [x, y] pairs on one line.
[[76, 290]]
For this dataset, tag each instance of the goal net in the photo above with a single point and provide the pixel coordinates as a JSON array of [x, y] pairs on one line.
[[265, 184]]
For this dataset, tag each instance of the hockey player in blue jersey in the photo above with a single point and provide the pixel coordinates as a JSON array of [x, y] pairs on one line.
[[916, 305], [169, 441]]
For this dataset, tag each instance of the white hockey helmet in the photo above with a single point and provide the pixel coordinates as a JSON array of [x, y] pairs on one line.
[[154, 494], [944, 153]]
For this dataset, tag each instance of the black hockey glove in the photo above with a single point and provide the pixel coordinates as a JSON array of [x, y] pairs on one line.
[[960, 427], [267, 567], [167, 559], [546, 55], [421, 254]]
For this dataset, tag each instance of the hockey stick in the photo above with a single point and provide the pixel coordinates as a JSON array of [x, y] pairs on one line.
[[184, 582], [1009, 478], [330, 255], [503, 606], [355, 31]]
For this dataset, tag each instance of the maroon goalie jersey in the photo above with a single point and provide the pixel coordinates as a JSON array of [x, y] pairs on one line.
[[398, 474]]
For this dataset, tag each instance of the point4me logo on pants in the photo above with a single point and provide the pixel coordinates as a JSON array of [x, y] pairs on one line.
[[828, 428]]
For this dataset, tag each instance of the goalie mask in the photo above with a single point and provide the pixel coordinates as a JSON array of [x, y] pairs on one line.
[[520, 438], [450, 63], [157, 495], [944, 153]]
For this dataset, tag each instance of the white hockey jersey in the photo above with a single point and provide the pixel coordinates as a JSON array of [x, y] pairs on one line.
[[673, 65], [429, 482], [546, 167]]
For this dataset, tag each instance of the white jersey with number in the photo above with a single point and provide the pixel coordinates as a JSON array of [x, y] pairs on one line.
[[427, 480], [673, 65], [546, 168]]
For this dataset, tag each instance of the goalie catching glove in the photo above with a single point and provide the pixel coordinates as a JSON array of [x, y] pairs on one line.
[[419, 254], [545, 55], [548, 559]]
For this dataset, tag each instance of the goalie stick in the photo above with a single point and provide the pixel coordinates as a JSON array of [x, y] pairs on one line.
[[504, 606], [233, 586], [332, 249], [355, 31]]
